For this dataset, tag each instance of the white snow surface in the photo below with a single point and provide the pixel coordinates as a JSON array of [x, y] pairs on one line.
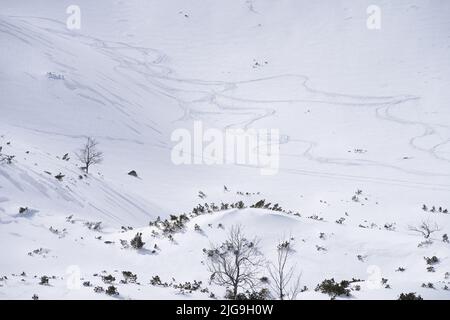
[[357, 109]]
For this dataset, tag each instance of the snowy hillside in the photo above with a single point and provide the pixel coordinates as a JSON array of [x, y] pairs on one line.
[[362, 156]]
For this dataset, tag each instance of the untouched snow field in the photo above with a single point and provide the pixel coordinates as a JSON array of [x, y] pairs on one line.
[[364, 122]]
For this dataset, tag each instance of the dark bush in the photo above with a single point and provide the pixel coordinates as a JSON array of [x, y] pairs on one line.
[[409, 296], [108, 279], [262, 294], [137, 242], [44, 280], [431, 260], [112, 291], [129, 277], [333, 288]]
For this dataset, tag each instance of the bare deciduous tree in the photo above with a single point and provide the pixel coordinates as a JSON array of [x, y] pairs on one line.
[[425, 229], [89, 154], [284, 281], [236, 262]]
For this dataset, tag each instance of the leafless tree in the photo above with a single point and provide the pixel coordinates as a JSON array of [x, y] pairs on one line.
[[89, 154], [284, 281], [425, 229], [236, 263]]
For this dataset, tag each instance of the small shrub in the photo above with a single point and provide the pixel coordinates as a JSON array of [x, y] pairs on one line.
[[188, 286], [99, 289], [137, 242], [108, 279], [428, 285], [44, 281], [431, 260], [129, 277], [156, 281], [409, 296], [112, 291]]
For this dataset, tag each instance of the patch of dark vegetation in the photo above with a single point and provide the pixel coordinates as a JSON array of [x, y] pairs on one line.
[[6, 158], [112, 291], [431, 260], [428, 285], [99, 289], [129, 277], [137, 242], [44, 281], [97, 226], [108, 279], [334, 289], [156, 281], [262, 294], [188, 287], [409, 296], [434, 209]]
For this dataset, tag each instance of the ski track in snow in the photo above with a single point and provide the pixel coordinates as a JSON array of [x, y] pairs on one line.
[[215, 95]]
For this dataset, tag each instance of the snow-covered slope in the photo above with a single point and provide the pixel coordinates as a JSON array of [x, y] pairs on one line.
[[357, 109]]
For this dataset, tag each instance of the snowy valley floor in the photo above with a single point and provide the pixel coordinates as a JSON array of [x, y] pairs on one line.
[[348, 238]]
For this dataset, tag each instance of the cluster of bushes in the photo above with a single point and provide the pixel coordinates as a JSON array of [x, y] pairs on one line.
[[177, 223], [428, 285], [93, 225], [241, 193], [315, 217], [108, 279], [5, 158], [262, 294], [261, 204], [186, 287], [390, 226], [128, 277], [409, 296], [212, 207], [156, 281], [189, 287], [334, 289], [340, 220], [111, 290], [41, 252], [434, 209], [60, 233], [172, 225], [431, 260]]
